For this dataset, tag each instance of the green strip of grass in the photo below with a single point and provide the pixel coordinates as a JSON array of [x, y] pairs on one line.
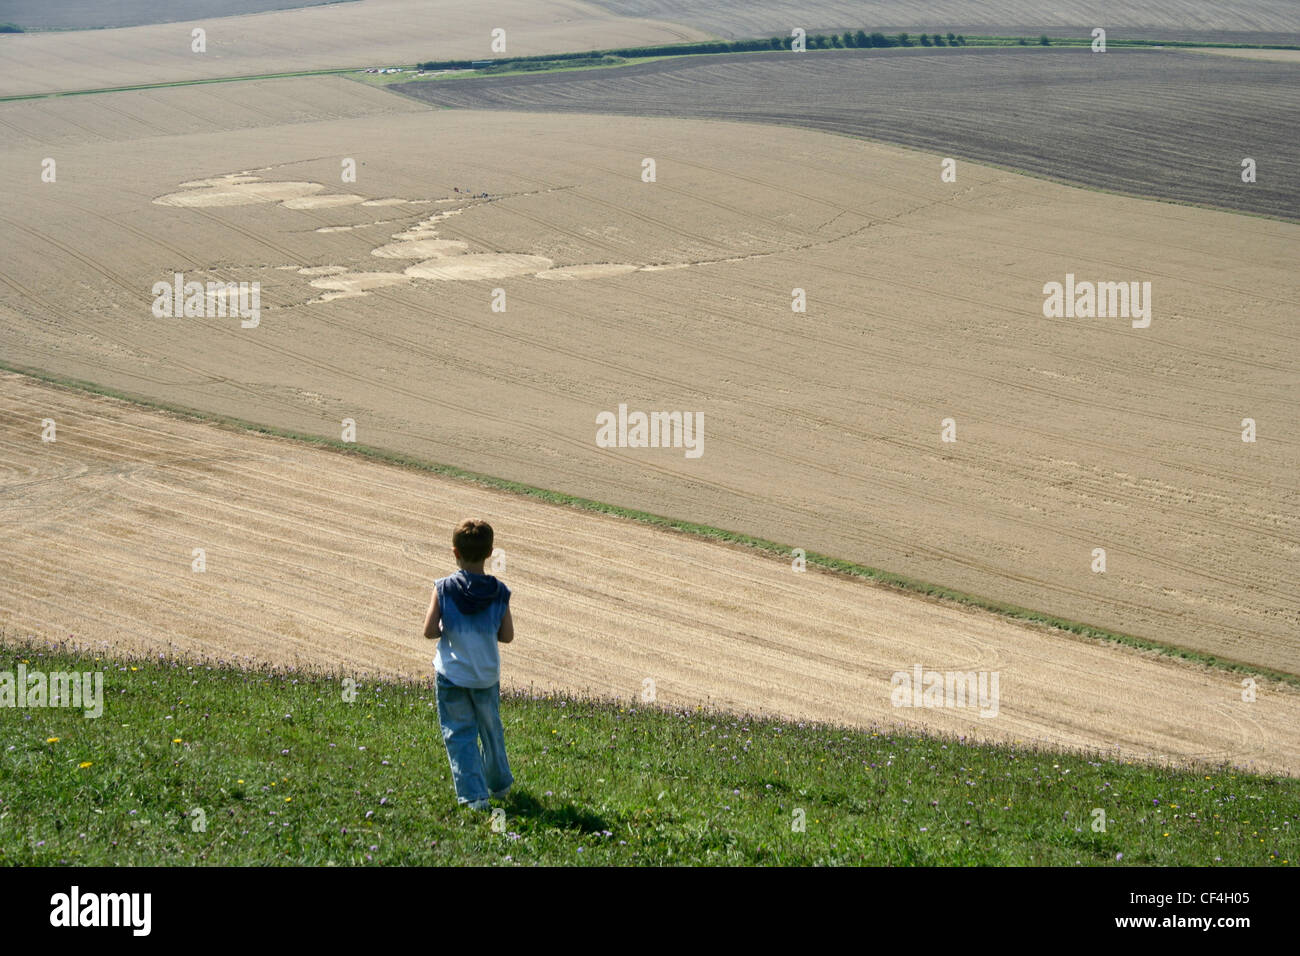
[[780, 551], [507, 68], [159, 86], [201, 763], [818, 42], [597, 61], [611, 60], [551, 62]]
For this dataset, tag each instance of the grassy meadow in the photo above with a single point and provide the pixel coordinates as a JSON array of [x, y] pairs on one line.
[[205, 763]]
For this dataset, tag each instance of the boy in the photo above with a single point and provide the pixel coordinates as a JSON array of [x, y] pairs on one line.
[[469, 614]]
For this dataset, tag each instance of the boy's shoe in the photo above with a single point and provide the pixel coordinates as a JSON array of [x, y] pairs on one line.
[[501, 794], [477, 805]]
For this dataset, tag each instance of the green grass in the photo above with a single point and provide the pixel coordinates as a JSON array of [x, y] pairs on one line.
[[612, 59], [159, 86], [507, 68], [776, 550], [815, 43], [285, 771], [598, 60]]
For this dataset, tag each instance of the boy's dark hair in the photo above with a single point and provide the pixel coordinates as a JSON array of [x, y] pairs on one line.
[[473, 539]]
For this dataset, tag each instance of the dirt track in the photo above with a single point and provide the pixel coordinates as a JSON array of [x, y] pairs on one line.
[[316, 559]]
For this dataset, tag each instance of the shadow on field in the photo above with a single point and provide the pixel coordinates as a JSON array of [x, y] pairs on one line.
[[568, 817]]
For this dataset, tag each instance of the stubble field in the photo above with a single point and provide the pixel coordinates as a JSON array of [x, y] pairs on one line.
[[823, 429], [368, 33], [95, 15], [316, 560]]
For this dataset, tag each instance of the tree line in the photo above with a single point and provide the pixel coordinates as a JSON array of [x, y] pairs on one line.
[[859, 39]]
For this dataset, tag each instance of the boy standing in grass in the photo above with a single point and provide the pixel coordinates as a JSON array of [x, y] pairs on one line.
[[468, 615]]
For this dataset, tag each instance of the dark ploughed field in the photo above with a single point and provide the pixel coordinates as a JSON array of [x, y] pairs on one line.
[[1161, 123]]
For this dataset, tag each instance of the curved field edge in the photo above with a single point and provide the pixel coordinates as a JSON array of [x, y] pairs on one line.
[[777, 550], [665, 51], [206, 764], [160, 86], [396, 85], [927, 151], [867, 109], [1003, 167]]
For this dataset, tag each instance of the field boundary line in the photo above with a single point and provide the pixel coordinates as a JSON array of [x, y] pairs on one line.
[[409, 89], [668, 51], [822, 562], [170, 83]]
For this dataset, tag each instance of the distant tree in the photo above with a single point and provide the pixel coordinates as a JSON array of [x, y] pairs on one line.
[[925, 39], [952, 39], [862, 38], [847, 40], [10, 28], [904, 39], [879, 39], [1043, 41], [938, 39], [961, 39], [836, 41], [1024, 42], [776, 43]]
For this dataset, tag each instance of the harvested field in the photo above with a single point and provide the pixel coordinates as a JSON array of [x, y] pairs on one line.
[[49, 125], [823, 429], [319, 560], [1156, 123], [363, 34], [96, 14], [1247, 21]]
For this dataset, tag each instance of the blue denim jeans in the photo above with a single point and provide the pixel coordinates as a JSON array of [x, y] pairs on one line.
[[466, 714]]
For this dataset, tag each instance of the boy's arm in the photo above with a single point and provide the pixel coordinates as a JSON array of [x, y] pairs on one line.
[[433, 618], [507, 632]]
